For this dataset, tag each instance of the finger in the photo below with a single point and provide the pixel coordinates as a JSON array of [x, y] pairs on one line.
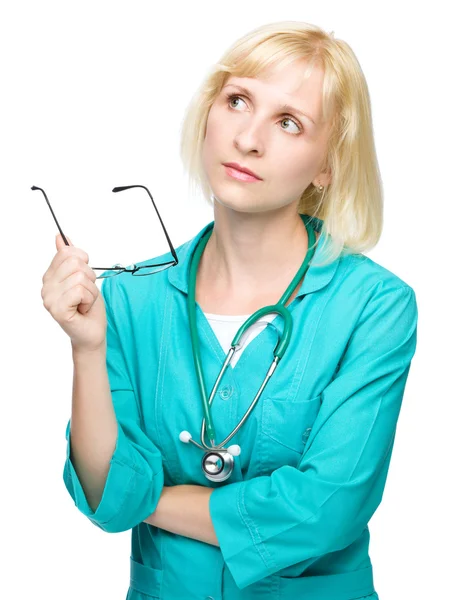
[[72, 264], [61, 255], [77, 296], [75, 290], [60, 242]]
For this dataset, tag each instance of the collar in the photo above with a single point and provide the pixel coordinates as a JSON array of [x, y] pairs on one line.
[[315, 279]]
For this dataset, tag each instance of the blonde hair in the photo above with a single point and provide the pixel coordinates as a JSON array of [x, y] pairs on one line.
[[351, 206]]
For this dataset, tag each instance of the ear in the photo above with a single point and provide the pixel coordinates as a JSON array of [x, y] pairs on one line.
[[324, 178]]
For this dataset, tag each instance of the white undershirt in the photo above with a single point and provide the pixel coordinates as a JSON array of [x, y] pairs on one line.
[[226, 326]]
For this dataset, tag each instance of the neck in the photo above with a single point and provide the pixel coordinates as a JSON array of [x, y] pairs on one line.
[[251, 254]]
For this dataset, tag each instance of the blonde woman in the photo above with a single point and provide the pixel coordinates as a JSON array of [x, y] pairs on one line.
[[279, 140]]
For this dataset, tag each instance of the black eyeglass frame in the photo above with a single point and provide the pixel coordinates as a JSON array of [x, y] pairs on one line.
[[119, 267]]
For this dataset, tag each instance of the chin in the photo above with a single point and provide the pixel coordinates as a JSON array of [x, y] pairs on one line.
[[236, 201], [242, 206]]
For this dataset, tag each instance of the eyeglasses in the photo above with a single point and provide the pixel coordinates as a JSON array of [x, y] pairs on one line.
[[118, 268]]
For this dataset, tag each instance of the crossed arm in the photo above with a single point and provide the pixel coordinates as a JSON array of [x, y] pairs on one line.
[[184, 510]]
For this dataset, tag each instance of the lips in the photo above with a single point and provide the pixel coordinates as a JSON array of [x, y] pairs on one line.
[[243, 169]]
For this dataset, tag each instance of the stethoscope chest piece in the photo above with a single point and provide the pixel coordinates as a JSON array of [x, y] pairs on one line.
[[217, 465]]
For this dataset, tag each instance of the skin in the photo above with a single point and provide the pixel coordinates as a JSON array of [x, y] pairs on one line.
[[257, 228]]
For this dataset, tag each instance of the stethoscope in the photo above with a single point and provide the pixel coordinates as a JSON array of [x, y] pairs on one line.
[[218, 461]]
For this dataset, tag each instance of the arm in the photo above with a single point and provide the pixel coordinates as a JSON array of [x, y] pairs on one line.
[[94, 428], [323, 505], [113, 471], [184, 510]]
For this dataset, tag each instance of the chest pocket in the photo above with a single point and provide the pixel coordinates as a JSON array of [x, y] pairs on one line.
[[285, 429]]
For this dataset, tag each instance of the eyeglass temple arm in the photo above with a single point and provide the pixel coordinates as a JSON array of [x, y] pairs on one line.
[[116, 189], [127, 187], [34, 187]]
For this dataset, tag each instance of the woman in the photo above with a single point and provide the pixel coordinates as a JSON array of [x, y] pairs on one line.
[[291, 519]]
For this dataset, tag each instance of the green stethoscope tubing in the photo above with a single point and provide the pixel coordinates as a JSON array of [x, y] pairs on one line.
[[279, 350]]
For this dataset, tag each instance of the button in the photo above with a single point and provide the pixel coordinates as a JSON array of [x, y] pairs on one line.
[[226, 392], [306, 434], [209, 598]]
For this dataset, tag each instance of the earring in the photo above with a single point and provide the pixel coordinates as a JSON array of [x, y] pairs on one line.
[[320, 188]]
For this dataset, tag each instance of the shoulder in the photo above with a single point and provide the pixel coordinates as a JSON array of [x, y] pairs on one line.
[[371, 307], [359, 272], [364, 289]]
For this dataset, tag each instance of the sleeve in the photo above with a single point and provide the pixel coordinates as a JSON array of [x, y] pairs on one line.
[[297, 514], [135, 479]]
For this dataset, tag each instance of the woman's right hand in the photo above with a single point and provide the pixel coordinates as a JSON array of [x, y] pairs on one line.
[[73, 299]]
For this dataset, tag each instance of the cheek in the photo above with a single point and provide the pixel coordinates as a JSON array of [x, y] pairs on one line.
[[215, 140], [291, 167], [208, 151], [215, 131], [300, 163]]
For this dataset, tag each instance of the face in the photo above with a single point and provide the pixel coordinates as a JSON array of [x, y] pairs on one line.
[[286, 149]]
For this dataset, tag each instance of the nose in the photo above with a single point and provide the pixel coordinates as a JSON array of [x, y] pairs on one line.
[[249, 138]]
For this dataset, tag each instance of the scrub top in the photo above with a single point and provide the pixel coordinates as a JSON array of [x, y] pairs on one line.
[[292, 520], [226, 326]]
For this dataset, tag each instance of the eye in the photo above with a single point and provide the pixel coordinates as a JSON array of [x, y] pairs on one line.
[[286, 118]]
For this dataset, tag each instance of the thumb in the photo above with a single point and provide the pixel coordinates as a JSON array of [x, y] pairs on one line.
[[60, 243]]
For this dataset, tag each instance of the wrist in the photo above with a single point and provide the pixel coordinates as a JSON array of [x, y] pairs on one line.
[[82, 355]]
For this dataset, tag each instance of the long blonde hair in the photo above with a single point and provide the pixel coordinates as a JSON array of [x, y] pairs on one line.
[[351, 206]]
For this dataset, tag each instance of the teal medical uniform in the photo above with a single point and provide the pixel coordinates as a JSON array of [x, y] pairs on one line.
[[292, 520]]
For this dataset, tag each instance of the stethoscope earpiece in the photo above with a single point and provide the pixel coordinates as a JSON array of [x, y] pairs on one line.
[[185, 437], [234, 450]]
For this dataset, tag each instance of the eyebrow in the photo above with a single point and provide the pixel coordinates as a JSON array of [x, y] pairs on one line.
[[284, 107]]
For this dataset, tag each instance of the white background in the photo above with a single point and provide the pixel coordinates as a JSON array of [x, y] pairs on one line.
[[92, 96]]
